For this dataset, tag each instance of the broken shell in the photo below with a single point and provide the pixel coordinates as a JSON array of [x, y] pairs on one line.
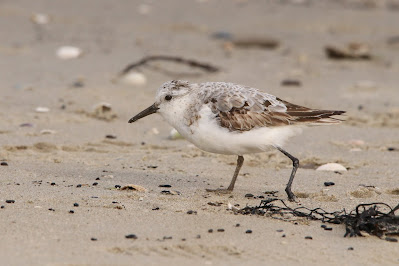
[[332, 167], [174, 134], [68, 52], [134, 79], [103, 111], [134, 187], [47, 131], [42, 109], [40, 19]]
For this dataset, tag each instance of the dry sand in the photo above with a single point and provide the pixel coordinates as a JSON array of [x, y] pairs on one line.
[[44, 170]]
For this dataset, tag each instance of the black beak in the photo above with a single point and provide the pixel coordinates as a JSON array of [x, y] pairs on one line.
[[150, 110]]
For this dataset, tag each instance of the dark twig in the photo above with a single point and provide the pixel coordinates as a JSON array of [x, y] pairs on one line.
[[189, 62]]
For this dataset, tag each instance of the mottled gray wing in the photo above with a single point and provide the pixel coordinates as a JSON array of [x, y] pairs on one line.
[[241, 108]]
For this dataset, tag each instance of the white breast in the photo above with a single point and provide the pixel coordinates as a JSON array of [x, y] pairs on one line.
[[208, 135]]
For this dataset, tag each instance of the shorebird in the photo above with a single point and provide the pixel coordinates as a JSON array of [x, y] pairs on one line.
[[228, 118]]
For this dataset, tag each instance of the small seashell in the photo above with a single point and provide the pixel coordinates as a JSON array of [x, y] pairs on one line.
[[47, 131], [42, 109], [134, 79], [68, 52], [356, 142], [144, 9], [332, 167], [40, 19], [155, 131], [174, 134]]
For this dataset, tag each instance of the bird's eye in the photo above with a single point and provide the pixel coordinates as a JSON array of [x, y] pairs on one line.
[[168, 97]]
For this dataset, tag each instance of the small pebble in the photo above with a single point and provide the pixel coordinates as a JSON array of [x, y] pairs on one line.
[[391, 149], [183, 239], [51, 209], [391, 239], [155, 209], [198, 236], [167, 237], [76, 205], [71, 211], [327, 184], [283, 235], [78, 84], [249, 231], [10, 201], [164, 186], [350, 248], [191, 212], [26, 125], [323, 226], [237, 225], [220, 230], [152, 166], [79, 185], [280, 230], [110, 137], [53, 184], [308, 237], [97, 178], [328, 228], [2, 207], [95, 184], [210, 231], [291, 82], [4, 163], [131, 236], [93, 239], [249, 195], [117, 186]]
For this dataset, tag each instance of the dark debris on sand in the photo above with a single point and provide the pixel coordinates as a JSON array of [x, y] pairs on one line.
[[370, 218]]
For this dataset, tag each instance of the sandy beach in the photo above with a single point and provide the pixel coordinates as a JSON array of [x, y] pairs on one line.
[[68, 155]]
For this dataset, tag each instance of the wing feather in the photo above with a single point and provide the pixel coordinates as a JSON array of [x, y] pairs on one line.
[[240, 108]]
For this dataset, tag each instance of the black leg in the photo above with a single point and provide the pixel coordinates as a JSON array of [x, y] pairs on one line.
[[295, 163], [240, 161]]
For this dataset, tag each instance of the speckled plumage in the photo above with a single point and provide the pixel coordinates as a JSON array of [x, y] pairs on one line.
[[227, 118], [242, 108]]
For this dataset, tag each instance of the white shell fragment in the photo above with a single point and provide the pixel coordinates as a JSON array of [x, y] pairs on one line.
[[174, 134], [134, 79], [68, 52], [332, 167], [42, 109], [40, 19], [47, 131]]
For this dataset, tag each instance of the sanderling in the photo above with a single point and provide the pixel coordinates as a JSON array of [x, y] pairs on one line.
[[232, 119]]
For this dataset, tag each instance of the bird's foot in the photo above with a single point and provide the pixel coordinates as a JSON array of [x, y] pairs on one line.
[[220, 190], [291, 196]]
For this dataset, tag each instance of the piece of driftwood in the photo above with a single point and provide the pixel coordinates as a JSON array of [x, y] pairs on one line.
[[353, 51]]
